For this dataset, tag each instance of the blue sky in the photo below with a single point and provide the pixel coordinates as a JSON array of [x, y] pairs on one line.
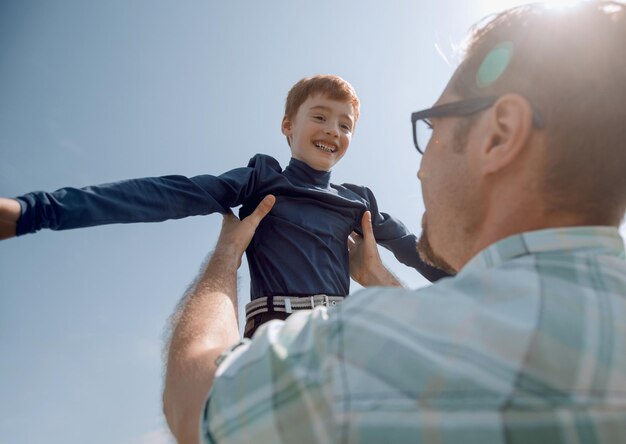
[[94, 92]]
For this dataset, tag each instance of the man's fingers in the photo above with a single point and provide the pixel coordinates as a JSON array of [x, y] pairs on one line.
[[366, 225], [351, 240], [262, 209], [354, 240], [228, 218]]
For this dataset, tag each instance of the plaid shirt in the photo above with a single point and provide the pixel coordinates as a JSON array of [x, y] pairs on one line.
[[527, 344]]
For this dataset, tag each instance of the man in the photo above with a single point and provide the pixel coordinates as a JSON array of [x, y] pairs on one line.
[[524, 188]]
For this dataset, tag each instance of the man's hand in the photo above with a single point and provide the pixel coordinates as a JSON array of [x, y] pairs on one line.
[[366, 267], [205, 325], [236, 234], [10, 211]]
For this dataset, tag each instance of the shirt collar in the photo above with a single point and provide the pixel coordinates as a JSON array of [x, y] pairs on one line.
[[301, 174], [592, 239]]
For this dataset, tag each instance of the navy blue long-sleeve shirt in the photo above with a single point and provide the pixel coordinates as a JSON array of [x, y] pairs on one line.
[[298, 249]]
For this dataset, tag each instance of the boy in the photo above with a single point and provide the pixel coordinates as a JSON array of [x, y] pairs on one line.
[[298, 257]]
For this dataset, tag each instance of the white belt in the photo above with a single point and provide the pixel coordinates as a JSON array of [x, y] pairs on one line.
[[287, 304]]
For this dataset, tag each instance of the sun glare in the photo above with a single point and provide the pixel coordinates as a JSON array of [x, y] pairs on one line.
[[493, 6], [560, 4]]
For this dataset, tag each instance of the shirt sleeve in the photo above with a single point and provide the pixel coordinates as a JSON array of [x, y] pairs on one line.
[[277, 387], [392, 234], [149, 199]]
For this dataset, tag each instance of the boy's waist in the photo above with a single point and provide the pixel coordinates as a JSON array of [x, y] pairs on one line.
[[287, 304]]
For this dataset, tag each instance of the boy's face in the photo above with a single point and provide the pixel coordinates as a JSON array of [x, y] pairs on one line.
[[320, 132]]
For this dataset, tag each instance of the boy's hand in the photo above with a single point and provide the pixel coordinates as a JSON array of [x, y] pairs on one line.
[[10, 211], [236, 234], [366, 267]]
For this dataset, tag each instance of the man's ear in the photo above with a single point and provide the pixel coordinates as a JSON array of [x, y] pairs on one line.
[[509, 129], [285, 127]]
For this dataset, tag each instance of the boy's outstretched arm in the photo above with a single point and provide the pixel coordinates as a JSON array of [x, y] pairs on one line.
[[205, 325], [10, 211], [366, 267]]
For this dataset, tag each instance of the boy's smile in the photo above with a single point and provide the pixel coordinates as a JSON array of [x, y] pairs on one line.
[[320, 132]]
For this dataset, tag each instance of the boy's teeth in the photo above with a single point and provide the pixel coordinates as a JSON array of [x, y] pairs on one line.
[[325, 148]]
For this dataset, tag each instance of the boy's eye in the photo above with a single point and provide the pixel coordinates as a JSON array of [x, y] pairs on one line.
[[320, 118], [346, 127]]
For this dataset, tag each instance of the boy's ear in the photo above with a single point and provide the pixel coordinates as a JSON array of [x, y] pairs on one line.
[[286, 126]]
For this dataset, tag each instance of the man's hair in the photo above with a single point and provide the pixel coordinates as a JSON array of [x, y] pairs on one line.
[[333, 87], [570, 64]]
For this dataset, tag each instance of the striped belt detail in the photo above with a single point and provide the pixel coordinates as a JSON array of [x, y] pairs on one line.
[[287, 304]]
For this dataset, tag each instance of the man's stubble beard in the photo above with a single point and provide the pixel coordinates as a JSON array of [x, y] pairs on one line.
[[428, 255]]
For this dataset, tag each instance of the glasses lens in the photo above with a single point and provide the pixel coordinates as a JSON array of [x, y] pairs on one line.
[[423, 132]]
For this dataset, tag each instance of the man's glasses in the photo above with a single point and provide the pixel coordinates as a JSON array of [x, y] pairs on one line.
[[422, 128]]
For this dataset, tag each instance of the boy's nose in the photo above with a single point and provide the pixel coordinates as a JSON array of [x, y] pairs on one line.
[[332, 130]]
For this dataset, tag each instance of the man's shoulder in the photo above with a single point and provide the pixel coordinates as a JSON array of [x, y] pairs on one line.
[[454, 297]]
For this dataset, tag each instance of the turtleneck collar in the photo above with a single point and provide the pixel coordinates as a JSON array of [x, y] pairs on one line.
[[299, 173]]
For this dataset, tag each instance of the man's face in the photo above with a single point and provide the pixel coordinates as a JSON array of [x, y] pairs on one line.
[[450, 193], [320, 132]]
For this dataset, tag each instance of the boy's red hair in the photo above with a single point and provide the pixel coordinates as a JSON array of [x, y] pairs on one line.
[[333, 87]]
